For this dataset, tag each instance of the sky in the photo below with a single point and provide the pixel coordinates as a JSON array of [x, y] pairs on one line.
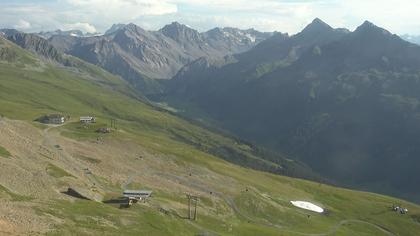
[[398, 16]]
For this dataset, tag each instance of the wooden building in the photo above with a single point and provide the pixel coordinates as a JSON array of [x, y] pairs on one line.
[[104, 130]]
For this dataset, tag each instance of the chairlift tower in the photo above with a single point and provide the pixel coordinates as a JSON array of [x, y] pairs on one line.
[[192, 199], [114, 124]]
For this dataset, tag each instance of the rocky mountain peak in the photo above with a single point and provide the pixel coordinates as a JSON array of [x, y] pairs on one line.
[[317, 26], [114, 28], [130, 30], [176, 25], [368, 24], [369, 28], [131, 26], [180, 32]]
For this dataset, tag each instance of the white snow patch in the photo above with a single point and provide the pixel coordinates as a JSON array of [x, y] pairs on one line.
[[250, 37], [307, 206], [226, 34]]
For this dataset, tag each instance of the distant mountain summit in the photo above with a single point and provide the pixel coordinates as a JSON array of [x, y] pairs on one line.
[[233, 39], [317, 26], [368, 29], [114, 28], [369, 46], [182, 33]]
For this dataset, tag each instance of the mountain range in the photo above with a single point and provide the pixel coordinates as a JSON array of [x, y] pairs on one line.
[[140, 56], [345, 103]]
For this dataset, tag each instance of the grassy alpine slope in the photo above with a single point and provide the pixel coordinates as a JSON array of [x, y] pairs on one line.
[[152, 150]]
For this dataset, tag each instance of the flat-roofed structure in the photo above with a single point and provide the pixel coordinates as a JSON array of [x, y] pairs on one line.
[[104, 130], [56, 119], [137, 194], [87, 119]]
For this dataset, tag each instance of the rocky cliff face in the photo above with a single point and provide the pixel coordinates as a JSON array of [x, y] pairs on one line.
[[34, 44]]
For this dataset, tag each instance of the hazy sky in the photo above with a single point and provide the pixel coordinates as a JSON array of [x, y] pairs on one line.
[[398, 16]]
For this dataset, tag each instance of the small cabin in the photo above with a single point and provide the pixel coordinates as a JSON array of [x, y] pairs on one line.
[[52, 119], [137, 195], [87, 119], [104, 130]]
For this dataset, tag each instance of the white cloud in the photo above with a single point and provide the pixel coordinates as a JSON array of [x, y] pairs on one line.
[[125, 9], [399, 16], [98, 14], [86, 27], [104, 13], [22, 25]]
